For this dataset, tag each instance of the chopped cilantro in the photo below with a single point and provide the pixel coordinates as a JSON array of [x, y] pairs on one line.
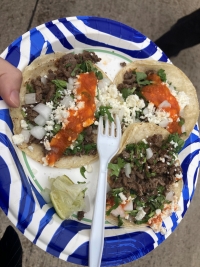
[[90, 147], [116, 168], [141, 78], [82, 171], [161, 73], [87, 66], [60, 84], [182, 121], [56, 128], [127, 91], [116, 191], [176, 139], [79, 147], [104, 110], [23, 113], [132, 212], [29, 88], [117, 201], [120, 221]]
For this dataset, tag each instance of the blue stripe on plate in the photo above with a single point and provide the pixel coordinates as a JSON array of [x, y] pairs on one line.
[[193, 138], [26, 210], [58, 34], [40, 199], [117, 249], [37, 44], [27, 202], [65, 232], [5, 116], [185, 191], [43, 223], [174, 219], [163, 58], [160, 237], [194, 180], [5, 181], [144, 53], [13, 55], [113, 28]]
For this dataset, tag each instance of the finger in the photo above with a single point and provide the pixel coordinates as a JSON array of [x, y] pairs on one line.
[[10, 83]]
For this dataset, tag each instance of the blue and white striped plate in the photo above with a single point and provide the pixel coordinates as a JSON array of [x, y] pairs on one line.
[[22, 179]]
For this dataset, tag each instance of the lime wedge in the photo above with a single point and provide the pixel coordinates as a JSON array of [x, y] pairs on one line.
[[66, 196]]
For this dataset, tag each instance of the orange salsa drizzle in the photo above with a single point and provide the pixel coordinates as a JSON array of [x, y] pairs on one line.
[[159, 92], [77, 119]]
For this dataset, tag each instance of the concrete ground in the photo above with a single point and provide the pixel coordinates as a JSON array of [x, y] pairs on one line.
[[152, 18]]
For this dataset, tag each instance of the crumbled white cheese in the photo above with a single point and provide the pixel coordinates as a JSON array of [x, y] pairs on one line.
[[155, 115], [80, 104], [24, 125], [110, 96], [181, 97], [45, 162], [47, 144], [173, 143], [179, 175], [162, 160], [158, 211], [163, 230], [18, 139]]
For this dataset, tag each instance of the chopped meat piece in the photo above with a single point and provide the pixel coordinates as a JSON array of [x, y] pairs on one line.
[[80, 215]]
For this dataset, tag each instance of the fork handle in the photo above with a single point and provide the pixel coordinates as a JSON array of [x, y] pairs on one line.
[[98, 222]]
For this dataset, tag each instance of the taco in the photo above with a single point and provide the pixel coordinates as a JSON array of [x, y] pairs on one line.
[[145, 178], [55, 123], [169, 98]]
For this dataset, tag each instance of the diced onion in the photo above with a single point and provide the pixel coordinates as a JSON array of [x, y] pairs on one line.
[[40, 120], [43, 110], [38, 132], [129, 206], [164, 123], [78, 50], [66, 101], [165, 104], [169, 196], [149, 153], [30, 98], [44, 80], [183, 128], [71, 81], [26, 134], [103, 83], [118, 212], [70, 86], [127, 168]]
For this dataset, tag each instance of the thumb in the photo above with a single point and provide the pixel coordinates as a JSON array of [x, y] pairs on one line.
[[10, 83]]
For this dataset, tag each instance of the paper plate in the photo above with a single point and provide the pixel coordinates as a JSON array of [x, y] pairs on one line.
[[22, 179]]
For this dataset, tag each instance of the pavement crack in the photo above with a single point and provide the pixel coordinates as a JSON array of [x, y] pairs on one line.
[[32, 16]]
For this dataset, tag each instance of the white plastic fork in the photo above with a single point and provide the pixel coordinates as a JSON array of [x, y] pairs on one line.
[[108, 141]]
